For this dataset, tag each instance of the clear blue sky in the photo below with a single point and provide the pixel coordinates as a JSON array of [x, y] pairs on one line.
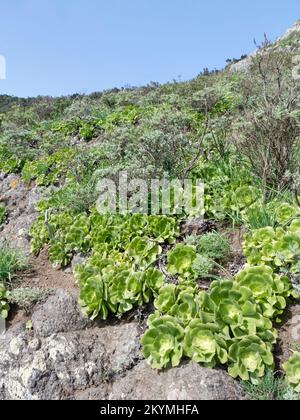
[[56, 47]]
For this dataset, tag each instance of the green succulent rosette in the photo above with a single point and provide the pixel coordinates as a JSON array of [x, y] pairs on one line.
[[285, 213], [269, 290], [203, 344], [292, 370], [162, 344], [94, 298], [180, 260], [249, 359]]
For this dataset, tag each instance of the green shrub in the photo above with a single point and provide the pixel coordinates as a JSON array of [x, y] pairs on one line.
[[210, 248], [214, 246], [87, 131], [26, 298], [202, 266]]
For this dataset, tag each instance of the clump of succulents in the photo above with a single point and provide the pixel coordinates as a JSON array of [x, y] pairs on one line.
[[270, 290], [229, 324], [153, 280], [237, 312], [167, 298], [216, 321], [258, 245], [68, 234], [47, 170], [295, 227], [233, 201], [128, 289], [184, 262], [277, 248], [245, 196], [107, 287]]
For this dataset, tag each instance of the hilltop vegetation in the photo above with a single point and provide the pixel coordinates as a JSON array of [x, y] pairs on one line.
[[239, 132]]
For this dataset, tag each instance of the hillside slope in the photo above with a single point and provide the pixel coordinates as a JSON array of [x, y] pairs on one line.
[[89, 296]]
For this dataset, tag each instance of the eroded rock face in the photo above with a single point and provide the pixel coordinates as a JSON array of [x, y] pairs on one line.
[[242, 65], [67, 357], [50, 369], [56, 360], [20, 201], [190, 381], [58, 366], [245, 64], [60, 313]]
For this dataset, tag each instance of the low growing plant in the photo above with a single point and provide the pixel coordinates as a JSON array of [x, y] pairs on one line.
[[3, 214], [27, 297], [277, 248], [11, 261], [269, 388], [4, 299], [212, 245]]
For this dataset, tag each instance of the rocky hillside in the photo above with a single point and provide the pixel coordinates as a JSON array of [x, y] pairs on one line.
[[289, 41], [198, 305]]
